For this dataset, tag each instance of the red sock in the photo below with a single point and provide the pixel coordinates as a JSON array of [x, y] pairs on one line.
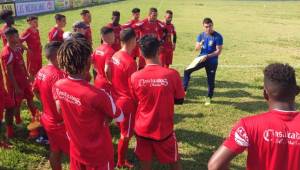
[[18, 118], [122, 151], [9, 131]]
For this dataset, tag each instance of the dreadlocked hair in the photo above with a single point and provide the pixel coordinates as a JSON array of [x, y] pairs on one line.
[[73, 55]]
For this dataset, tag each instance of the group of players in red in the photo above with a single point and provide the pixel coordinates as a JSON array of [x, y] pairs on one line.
[[76, 115], [138, 96]]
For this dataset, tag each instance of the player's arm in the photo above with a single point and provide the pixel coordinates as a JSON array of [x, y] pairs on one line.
[[13, 80], [35, 90], [221, 159], [198, 45], [107, 71], [174, 40], [217, 52]]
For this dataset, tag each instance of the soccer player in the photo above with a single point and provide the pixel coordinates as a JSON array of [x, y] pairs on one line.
[[115, 25], [56, 33], [81, 28], [86, 110], [210, 44], [16, 78], [130, 24], [271, 138], [149, 26], [51, 120], [34, 51], [169, 44], [122, 67], [156, 89], [87, 19], [101, 58], [7, 17]]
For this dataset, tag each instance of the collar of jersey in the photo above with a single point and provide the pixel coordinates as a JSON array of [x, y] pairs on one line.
[[75, 79]]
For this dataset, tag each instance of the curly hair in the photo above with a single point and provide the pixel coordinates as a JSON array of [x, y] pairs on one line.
[[5, 13], [280, 80], [73, 55]]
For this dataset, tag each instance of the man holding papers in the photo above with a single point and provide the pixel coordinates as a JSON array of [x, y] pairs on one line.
[[210, 45]]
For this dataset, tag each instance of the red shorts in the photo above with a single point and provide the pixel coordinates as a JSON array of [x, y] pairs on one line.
[[165, 151], [76, 165], [9, 102], [128, 108], [34, 62], [166, 56], [59, 141], [14, 100], [102, 83]]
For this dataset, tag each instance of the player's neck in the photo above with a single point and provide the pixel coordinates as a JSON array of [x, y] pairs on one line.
[[127, 49], [12, 46], [286, 106], [59, 27], [152, 61]]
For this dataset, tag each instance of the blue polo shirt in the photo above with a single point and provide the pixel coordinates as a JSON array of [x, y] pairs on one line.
[[209, 44]]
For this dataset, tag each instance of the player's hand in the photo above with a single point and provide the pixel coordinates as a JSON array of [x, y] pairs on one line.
[[107, 121], [203, 59]]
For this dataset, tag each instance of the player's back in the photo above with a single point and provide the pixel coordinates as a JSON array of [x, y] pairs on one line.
[[100, 57], [44, 81], [155, 89], [272, 139], [122, 66], [84, 115]]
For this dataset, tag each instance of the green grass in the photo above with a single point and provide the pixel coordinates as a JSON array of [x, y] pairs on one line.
[[255, 33]]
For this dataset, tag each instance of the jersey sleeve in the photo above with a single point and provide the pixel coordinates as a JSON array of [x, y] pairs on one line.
[[199, 38], [108, 56], [238, 139], [25, 35], [7, 58], [179, 91], [108, 106], [219, 40]]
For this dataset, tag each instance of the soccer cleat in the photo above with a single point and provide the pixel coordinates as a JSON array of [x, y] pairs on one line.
[[9, 131], [207, 101]]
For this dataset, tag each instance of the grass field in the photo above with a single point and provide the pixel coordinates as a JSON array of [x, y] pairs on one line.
[[255, 33]]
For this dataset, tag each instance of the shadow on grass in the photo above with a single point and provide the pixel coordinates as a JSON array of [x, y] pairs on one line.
[[205, 143], [180, 117], [247, 106]]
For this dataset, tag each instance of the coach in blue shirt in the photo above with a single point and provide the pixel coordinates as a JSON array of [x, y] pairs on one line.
[[210, 45]]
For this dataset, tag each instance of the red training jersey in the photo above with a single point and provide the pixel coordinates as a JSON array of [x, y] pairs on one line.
[[122, 66], [88, 34], [117, 29], [56, 34], [272, 140], [14, 58], [84, 112], [32, 38], [101, 56], [43, 84], [145, 27], [168, 42], [154, 89]]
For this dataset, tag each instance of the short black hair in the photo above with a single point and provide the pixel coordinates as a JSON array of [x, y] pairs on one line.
[[78, 35], [10, 31], [127, 34], [31, 18], [59, 17], [280, 81], [51, 49], [169, 12], [73, 55], [149, 46], [152, 10], [5, 14], [207, 21], [106, 30], [116, 13], [84, 11], [136, 10]]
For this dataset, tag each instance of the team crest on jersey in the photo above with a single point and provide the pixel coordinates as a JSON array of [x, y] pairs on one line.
[[210, 43], [99, 52], [115, 61], [241, 137]]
